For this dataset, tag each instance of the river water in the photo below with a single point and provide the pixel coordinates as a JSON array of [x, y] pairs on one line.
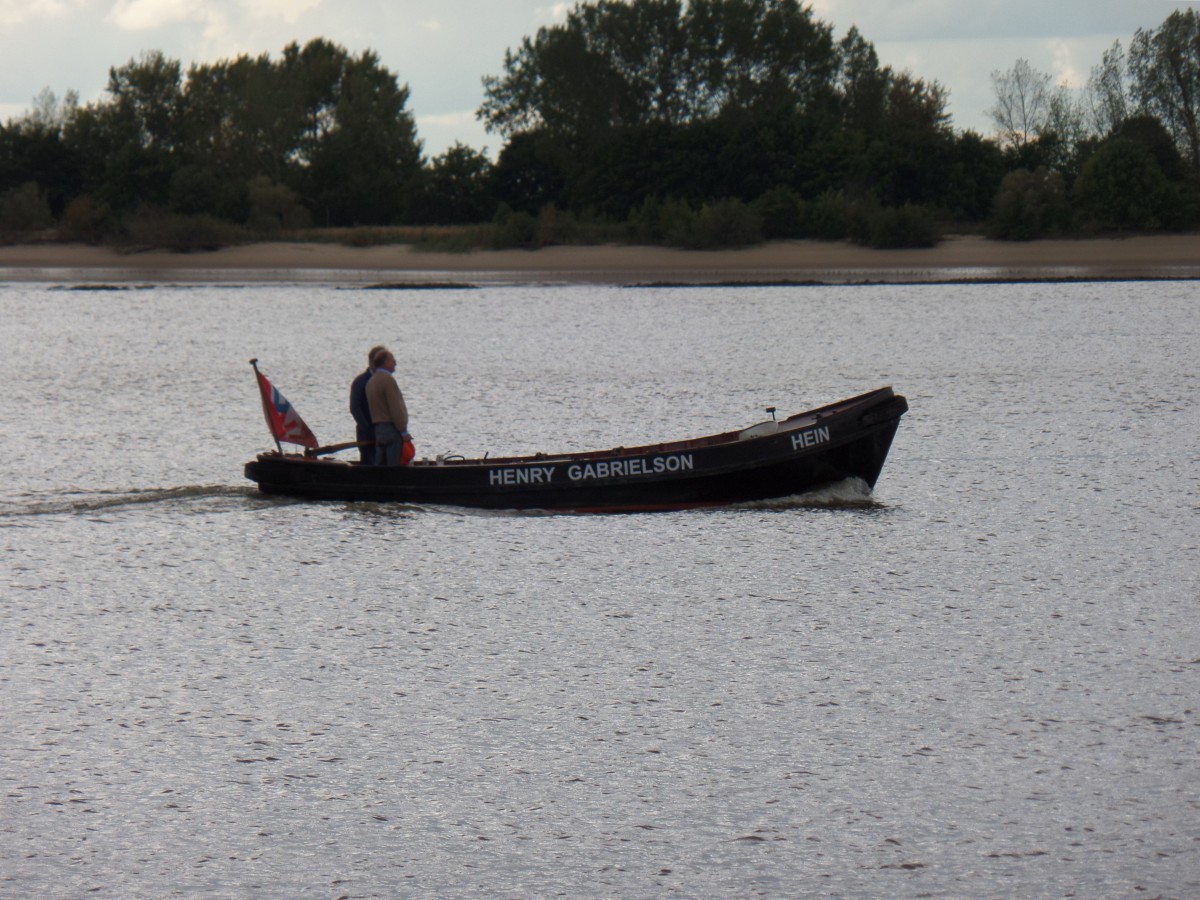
[[981, 681]]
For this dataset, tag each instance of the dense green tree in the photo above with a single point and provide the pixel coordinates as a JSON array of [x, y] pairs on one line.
[[242, 120], [127, 143], [1151, 134], [973, 178], [715, 100], [330, 127], [145, 99], [757, 55], [615, 64], [364, 164], [529, 173], [456, 189], [1122, 186]]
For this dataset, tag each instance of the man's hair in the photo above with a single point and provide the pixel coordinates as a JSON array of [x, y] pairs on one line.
[[377, 351]]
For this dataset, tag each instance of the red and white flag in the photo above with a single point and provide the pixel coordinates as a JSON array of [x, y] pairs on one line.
[[282, 419]]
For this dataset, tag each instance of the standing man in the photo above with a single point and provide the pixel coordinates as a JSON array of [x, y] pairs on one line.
[[364, 431], [393, 446]]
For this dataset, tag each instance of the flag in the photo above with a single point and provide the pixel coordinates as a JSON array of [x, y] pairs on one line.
[[283, 421]]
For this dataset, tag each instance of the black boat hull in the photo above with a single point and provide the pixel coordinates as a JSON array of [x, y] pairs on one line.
[[808, 451]]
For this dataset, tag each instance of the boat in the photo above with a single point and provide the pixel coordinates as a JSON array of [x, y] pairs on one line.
[[771, 459]]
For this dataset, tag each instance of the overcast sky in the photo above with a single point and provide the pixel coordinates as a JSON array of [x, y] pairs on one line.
[[442, 48]]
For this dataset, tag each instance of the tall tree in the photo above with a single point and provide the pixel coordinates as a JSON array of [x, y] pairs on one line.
[[315, 72], [365, 162], [1165, 67], [913, 147], [145, 96], [1107, 92], [242, 117], [1022, 105], [240, 123], [862, 83], [127, 142], [32, 150], [758, 55], [619, 64]]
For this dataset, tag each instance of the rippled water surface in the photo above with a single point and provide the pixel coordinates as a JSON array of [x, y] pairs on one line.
[[983, 682]]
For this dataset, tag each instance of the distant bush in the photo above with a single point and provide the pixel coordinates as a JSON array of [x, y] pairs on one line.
[[661, 222], [274, 207], [153, 230], [1030, 205], [674, 223], [782, 213], [551, 227], [361, 235], [892, 228], [829, 217], [87, 221], [366, 236], [555, 227], [457, 239], [511, 229], [24, 210], [725, 223]]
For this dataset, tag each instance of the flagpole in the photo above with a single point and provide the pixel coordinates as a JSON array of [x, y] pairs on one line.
[[265, 402]]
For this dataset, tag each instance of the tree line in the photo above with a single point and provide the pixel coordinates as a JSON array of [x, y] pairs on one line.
[[711, 122]]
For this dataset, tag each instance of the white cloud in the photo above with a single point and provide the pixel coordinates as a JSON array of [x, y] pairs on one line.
[[440, 131], [550, 15], [1066, 67], [10, 111], [288, 11], [143, 15], [16, 12], [462, 117], [929, 20], [150, 15]]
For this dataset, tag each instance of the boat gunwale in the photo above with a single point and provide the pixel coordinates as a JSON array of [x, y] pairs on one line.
[[795, 422]]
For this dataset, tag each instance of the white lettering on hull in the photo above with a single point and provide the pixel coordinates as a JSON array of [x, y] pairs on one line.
[[626, 468], [810, 437], [521, 475], [640, 467]]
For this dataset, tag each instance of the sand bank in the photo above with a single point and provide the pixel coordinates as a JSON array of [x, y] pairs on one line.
[[955, 259]]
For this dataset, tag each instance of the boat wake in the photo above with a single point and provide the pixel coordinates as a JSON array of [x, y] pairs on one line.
[[852, 493], [83, 502]]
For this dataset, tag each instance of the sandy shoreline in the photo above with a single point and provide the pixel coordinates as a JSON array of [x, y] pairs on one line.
[[956, 259]]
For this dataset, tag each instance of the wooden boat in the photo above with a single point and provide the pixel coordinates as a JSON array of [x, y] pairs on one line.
[[772, 459]]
